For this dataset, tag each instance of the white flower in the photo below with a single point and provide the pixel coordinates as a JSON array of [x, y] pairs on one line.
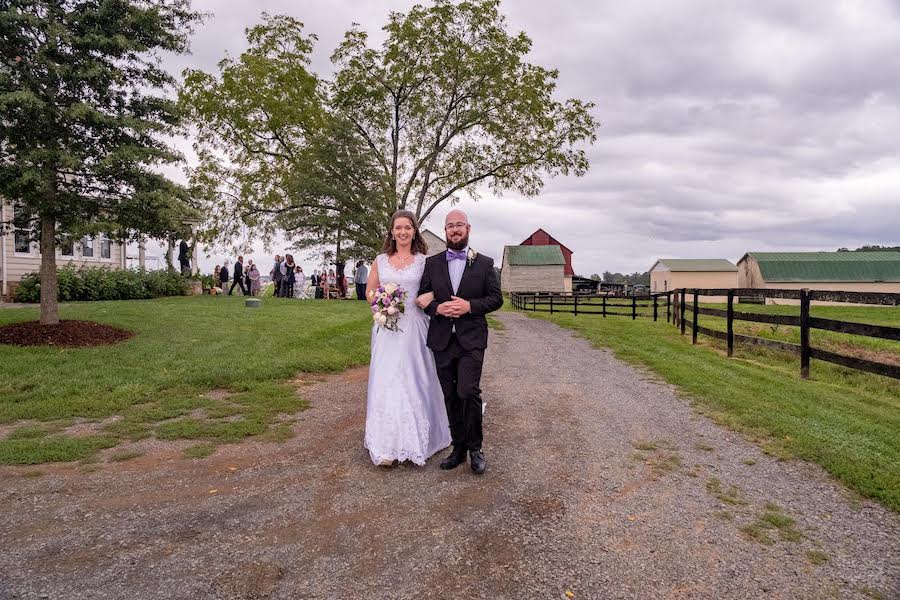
[[390, 288], [470, 256], [380, 318], [392, 310]]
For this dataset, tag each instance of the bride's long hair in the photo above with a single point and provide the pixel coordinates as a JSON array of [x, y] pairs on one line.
[[418, 243]]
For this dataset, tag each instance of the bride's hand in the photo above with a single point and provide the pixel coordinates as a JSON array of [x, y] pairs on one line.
[[425, 299]]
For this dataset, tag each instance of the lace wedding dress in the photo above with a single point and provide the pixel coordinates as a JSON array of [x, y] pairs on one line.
[[405, 414]]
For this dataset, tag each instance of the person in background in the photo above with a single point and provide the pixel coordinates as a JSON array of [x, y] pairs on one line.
[[330, 284], [223, 277], [299, 282], [360, 276], [247, 276], [316, 282], [287, 279], [253, 275], [238, 276], [215, 281], [276, 276]]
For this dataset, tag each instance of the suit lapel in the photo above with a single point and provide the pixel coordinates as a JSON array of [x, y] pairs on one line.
[[468, 269], [444, 269]]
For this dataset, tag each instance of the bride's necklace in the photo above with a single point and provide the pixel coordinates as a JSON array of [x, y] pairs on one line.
[[403, 261]]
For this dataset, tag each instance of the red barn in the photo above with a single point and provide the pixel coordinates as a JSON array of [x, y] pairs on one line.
[[542, 238]]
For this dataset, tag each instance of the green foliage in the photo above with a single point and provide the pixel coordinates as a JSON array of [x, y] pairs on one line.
[[99, 283], [635, 278], [449, 102], [85, 117], [273, 158]]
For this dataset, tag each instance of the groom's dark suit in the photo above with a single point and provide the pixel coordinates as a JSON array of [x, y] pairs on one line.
[[459, 344]]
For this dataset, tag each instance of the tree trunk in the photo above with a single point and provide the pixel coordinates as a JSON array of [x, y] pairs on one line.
[[170, 246], [49, 283]]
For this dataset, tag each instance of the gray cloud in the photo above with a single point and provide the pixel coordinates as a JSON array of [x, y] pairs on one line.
[[728, 126]]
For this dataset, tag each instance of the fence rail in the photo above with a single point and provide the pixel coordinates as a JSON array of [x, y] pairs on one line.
[[677, 303]]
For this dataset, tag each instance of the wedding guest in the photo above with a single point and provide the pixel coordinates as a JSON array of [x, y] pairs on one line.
[[330, 284], [316, 282], [223, 276], [287, 281], [253, 275], [247, 276], [360, 276], [238, 278], [276, 276], [299, 283], [215, 280]]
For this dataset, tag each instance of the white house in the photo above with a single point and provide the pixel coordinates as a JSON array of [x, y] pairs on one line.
[[20, 256]]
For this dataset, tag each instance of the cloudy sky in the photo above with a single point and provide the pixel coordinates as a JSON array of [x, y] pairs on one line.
[[727, 126]]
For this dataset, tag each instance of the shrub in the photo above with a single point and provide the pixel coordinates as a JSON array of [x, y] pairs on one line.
[[100, 283]]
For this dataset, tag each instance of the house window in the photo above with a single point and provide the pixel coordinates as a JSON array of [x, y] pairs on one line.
[[665, 285], [87, 247], [21, 237], [67, 248], [105, 248]]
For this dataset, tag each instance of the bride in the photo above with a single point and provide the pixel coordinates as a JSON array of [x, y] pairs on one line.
[[405, 414]]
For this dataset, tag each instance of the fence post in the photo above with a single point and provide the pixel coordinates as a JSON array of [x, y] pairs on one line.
[[654, 308], [682, 308], [668, 306], [633, 307], [694, 327], [576, 305], [551, 304], [534, 303], [604, 307], [730, 319], [804, 333]]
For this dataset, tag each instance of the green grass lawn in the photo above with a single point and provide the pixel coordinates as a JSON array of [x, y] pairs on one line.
[[204, 368], [846, 421]]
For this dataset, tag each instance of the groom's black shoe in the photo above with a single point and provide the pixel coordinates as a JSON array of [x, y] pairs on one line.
[[456, 458], [478, 463]]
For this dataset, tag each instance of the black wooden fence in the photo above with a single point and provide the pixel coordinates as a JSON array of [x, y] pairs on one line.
[[678, 301], [583, 304]]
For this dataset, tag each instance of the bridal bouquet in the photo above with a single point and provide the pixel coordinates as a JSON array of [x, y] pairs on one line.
[[388, 305]]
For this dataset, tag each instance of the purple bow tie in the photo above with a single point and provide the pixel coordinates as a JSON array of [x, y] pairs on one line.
[[454, 255]]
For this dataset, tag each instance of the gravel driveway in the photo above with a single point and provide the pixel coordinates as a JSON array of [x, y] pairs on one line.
[[601, 483]]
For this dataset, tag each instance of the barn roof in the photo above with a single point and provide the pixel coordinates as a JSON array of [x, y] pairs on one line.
[[696, 264], [534, 255], [827, 266], [553, 240]]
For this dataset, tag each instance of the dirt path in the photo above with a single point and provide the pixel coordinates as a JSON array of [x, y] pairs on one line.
[[600, 482]]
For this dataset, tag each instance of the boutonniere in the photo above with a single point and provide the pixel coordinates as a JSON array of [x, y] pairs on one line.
[[470, 257]]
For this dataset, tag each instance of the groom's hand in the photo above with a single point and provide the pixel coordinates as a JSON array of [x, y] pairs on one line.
[[445, 309], [460, 306]]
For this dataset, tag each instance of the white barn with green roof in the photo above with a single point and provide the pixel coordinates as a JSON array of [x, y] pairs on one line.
[[533, 269], [840, 271]]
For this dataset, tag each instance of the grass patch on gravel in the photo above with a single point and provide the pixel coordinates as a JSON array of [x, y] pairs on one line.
[[200, 451], [817, 557], [203, 368], [771, 521], [846, 421]]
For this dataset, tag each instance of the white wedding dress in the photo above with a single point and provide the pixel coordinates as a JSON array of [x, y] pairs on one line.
[[405, 414]]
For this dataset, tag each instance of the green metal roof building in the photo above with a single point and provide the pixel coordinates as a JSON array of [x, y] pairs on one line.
[[843, 271], [533, 269]]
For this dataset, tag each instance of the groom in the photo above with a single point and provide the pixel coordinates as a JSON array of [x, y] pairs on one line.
[[465, 289]]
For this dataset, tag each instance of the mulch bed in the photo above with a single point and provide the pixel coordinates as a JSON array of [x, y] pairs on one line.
[[68, 334]]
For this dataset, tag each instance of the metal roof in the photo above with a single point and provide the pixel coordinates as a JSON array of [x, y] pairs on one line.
[[828, 266], [534, 255], [696, 264]]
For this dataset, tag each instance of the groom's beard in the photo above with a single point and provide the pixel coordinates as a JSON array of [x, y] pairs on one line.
[[460, 244]]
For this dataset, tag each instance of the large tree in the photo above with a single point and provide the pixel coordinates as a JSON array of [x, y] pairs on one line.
[[83, 120], [449, 103], [273, 158]]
